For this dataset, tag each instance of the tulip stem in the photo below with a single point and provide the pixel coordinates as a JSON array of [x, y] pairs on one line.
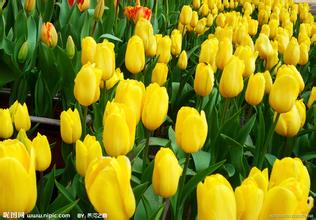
[[182, 180], [145, 154], [165, 211], [84, 121], [263, 151], [226, 104]]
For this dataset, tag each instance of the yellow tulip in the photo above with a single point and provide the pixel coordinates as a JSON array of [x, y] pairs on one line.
[[249, 200], [304, 50], [6, 129], [200, 26], [224, 54], [312, 97], [283, 39], [292, 52], [135, 55], [272, 60], [273, 25], [263, 46], [86, 152], [204, 10], [283, 93], [255, 89], [70, 126], [29, 5], [176, 42], [160, 74], [220, 20], [268, 82], [17, 177], [163, 49], [209, 49], [131, 93], [301, 110], [105, 59], [155, 106], [265, 29], [204, 79], [107, 183], [182, 60], [117, 76], [87, 84], [23, 138], [289, 123], [152, 49], [118, 119], [166, 174], [88, 46], [231, 82], [43, 155], [70, 47], [247, 41], [83, 5], [196, 4], [20, 116], [222, 33], [249, 57], [260, 178], [185, 15], [99, 10], [216, 199], [49, 35], [252, 27], [144, 30], [291, 70], [194, 19], [191, 129], [284, 200]]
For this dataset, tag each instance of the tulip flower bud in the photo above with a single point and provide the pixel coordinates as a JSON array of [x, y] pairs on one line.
[[215, 188], [70, 126], [6, 129], [272, 60], [292, 52], [263, 46], [86, 152], [185, 15], [70, 47], [301, 110], [29, 5], [220, 20], [283, 93], [160, 74], [49, 35], [201, 26], [255, 89], [20, 116], [183, 60], [152, 49], [260, 178], [166, 174], [145, 31], [17, 177], [224, 54], [83, 5], [43, 155], [268, 82], [105, 59], [88, 46], [87, 82], [222, 33], [283, 39], [252, 27], [196, 4], [117, 76], [312, 97], [118, 119], [135, 55], [231, 82], [204, 10], [99, 10], [210, 20], [194, 19], [291, 70], [163, 49], [155, 107], [208, 52], [249, 57], [176, 42], [304, 50], [23, 52], [204, 79], [107, 183], [289, 123], [191, 129], [131, 93]]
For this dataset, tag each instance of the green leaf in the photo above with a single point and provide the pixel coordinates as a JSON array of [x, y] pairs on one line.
[[20, 26], [64, 191], [66, 209], [139, 191], [246, 129], [42, 98], [46, 194], [309, 156], [111, 37], [270, 158], [230, 169], [201, 160], [192, 183], [155, 141], [158, 214]]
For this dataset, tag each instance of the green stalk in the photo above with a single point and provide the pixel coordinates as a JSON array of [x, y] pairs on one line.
[[165, 211], [263, 150], [182, 179], [145, 152], [84, 121]]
